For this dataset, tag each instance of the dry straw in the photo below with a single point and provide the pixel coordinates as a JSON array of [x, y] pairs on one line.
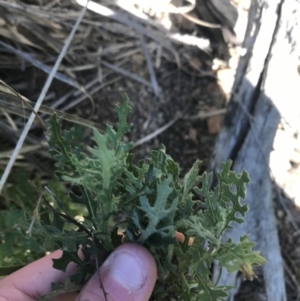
[[106, 38], [39, 102]]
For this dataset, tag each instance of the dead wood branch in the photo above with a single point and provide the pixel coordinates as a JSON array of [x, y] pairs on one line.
[[249, 129]]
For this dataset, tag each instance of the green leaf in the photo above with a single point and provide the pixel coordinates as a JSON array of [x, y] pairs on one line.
[[212, 198], [106, 158], [63, 153], [222, 205], [209, 292], [200, 227], [123, 112], [190, 180], [160, 212], [233, 189], [67, 257], [239, 256]]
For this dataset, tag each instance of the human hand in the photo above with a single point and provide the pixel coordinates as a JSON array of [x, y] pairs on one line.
[[128, 274]]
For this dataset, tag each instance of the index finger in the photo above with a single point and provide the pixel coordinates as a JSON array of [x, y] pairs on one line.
[[34, 280]]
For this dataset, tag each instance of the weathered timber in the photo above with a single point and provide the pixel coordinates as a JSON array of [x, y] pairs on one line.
[[259, 98]]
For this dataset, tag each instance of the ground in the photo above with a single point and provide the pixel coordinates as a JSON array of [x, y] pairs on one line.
[[192, 100]]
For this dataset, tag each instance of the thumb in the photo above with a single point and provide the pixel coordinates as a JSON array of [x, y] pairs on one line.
[[128, 274]]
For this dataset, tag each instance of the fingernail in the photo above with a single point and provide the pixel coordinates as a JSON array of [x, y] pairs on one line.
[[125, 268]]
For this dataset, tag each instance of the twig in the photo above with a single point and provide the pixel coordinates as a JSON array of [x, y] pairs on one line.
[[10, 120], [24, 150], [201, 22], [97, 267], [40, 100], [35, 213], [126, 73], [187, 39], [96, 89], [170, 9], [70, 219], [203, 115], [8, 90], [90, 233], [48, 70], [76, 93], [13, 135], [159, 130], [291, 275], [155, 86], [9, 101], [121, 18]]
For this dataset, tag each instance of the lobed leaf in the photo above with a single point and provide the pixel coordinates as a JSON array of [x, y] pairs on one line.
[[144, 203]]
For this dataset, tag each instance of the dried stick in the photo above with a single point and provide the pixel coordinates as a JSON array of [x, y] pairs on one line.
[[155, 86], [126, 73]]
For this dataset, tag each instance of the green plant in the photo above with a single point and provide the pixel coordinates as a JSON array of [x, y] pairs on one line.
[[144, 203], [16, 247]]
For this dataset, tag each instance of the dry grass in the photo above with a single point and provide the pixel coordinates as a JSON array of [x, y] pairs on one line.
[[111, 34]]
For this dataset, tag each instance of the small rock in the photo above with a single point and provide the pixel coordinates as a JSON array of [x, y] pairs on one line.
[[214, 124]]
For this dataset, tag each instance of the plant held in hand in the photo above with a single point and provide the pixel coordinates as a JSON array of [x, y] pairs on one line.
[[147, 204]]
